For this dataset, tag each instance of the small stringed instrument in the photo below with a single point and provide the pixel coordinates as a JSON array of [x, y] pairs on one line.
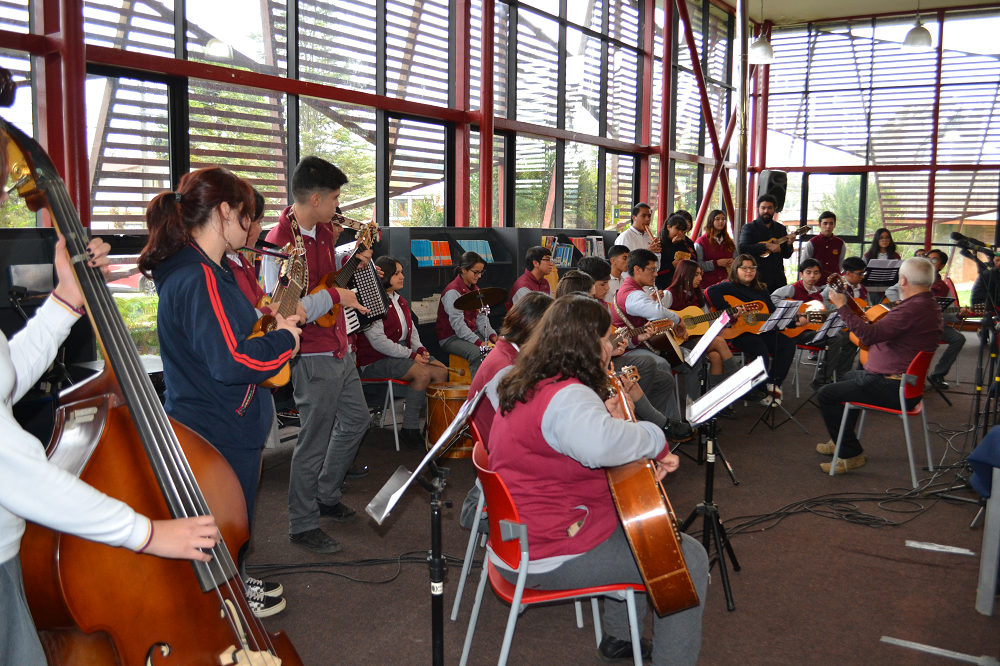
[[784, 239], [756, 313], [683, 256], [650, 524], [368, 236], [287, 294], [697, 321], [815, 319], [662, 339]]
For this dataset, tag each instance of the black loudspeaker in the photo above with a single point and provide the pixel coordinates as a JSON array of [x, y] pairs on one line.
[[774, 183]]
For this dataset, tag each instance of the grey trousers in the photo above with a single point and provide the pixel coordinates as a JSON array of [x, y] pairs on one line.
[[470, 352], [955, 341], [676, 638], [19, 642], [333, 419], [656, 380]]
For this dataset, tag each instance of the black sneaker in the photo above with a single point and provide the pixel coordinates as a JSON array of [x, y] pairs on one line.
[[412, 439], [264, 587], [937, 381], [338, 512], [315, 540], [754, 395], [614, 649], [264, 606], [357, 472], [678, 431]]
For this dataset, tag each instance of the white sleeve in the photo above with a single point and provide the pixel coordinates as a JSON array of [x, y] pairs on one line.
[[806, 251], [415, 343], [382, 344], [521, 293], [316, 305], [705, 266], [782, 293], [577, 424], [456, 318], [491, 387], [639, 304], [892, 293], [33, 348], [270, 269]]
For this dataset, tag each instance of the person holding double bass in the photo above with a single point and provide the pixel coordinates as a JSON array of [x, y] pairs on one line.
[[556, 430]]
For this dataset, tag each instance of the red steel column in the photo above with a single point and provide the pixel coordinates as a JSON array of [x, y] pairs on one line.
[[646, 95], [486, 122], [49, 92], [666, 121], [462, 130], [74, 75], [932, 178]]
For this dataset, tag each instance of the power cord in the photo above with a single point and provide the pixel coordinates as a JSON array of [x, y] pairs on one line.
[[410, 557]]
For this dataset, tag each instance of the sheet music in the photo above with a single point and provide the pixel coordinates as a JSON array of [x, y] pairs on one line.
[[727, 392], [782, 316], [707, 338], [883, 271], [830, 328]]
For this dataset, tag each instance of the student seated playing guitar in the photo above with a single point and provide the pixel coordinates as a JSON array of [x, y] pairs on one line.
[[808, 289], [744, 287], [634, 307], [556, 430], [391, 348], [840, 351]]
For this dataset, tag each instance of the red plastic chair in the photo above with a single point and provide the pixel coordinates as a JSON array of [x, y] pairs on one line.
[[508, 540], [389, 404], [912, 386], [798, 359]]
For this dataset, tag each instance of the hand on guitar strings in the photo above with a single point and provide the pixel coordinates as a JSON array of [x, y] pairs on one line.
[[669, 464], [614, 406], [645, 335], [366, 257], [67, 289], [292, 326], [680, 331], [623, 347], [632, 389], [183, 538]]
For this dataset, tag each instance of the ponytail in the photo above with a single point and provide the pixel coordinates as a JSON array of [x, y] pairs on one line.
[[172, 216], [468, 261]]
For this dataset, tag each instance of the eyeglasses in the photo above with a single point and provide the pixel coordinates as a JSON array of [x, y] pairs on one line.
[[856, 272], [478, 273], [748, 268]]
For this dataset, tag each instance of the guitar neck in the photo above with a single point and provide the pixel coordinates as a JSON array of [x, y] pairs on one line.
[[712, 316], [288, 300]]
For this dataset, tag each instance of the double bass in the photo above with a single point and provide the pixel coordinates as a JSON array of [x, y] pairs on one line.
[[96, 604]]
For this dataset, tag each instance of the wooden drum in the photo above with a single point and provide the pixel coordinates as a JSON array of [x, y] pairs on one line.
[[443, 402]]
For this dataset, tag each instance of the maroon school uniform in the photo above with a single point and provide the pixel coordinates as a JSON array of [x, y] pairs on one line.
[[828, 252], [442, 328], [800, 293], [394, 331], [500, 357], [246, 279], [527, 280]]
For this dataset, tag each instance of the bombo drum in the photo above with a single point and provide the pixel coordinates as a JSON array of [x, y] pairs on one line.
[[443, 402]]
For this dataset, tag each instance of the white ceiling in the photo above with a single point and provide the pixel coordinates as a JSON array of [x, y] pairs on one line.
[[789, 12]]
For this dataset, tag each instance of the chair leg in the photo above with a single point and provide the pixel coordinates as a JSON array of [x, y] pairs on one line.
[[578, 605], [927, 438], [475, 616], [909, 445], [392, 405], [861, 423], [469, 552], [598, 631], [515, 610], [840, 438], [795, 373], [633, 624]]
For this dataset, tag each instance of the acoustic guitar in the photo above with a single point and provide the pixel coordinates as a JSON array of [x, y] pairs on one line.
[[651, 526], [697, 321], [784, 239], [662, 340], [287, 294], [868, 315], [754, 316], [368, 236]]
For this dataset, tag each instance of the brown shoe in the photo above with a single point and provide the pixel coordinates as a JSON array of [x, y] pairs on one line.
[[826, 448], [844, 464]]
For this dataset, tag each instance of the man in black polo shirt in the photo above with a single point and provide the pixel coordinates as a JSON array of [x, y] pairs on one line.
[[753, 241]]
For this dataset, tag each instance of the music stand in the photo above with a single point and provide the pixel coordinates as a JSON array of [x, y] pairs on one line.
[[830, 329], [382, 504], [782, 316], [705, 410], [880, 274]]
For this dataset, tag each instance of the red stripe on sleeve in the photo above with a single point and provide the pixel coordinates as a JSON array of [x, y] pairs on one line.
[[227, 331]]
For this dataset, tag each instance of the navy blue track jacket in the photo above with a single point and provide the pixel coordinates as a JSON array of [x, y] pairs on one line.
[[210, 367]]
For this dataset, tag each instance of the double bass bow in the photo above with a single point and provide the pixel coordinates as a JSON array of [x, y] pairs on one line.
[[96, 604]]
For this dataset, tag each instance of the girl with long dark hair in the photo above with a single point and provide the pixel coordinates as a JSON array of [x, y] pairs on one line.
[[882, 247], [716, 247], [557, 428], [462, 333], [210, 364]]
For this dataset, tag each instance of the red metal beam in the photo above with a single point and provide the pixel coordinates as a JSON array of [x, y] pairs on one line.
[[74, 74], [885, 168], [646, 94], [543, 132], [486, 119], [935, 124], [50, 92], [29, 43], [463, 9], [666, 121], [706, 107]]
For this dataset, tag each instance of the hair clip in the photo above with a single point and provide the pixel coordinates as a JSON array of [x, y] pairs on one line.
[[178, 197]]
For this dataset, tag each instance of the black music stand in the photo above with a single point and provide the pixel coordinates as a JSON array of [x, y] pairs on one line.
[[880, 274], [782, 316], [830, 329], [382, 504], [705, 411]]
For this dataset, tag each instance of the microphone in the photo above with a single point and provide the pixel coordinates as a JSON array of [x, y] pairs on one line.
[[960, 239]]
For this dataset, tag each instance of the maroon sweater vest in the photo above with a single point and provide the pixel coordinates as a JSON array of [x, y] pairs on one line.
[[321, 259], [800, 294], [828, 252], [246, 279], [528, 280], [442, 328], [393, 330], [683, 300], [713, 253], [548, 488], [500, 357]]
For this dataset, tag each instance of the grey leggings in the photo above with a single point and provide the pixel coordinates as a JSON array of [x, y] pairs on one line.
[[676, 638]]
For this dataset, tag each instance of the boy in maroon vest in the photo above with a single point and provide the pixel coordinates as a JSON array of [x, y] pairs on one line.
[[333, 414], [538, 263], [825, 248]]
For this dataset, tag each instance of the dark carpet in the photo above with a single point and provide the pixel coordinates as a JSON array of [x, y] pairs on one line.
[[813, 588]]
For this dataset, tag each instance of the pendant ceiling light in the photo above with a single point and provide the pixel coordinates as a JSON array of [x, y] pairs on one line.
[[918, 38], [761, 52]]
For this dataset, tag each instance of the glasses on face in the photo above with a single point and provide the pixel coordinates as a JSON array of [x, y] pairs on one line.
[[651, 269], [478, 273], [752, 269], [858, 273]]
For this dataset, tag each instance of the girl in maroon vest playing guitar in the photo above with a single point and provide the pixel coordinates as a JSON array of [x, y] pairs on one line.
[[556, 429], [391, 349]]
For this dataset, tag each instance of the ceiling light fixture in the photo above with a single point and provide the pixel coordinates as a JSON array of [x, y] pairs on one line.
[[918, 38], [219, 49], [761, 52]]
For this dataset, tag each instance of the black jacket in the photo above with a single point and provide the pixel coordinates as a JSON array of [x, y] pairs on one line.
[[770, 269]]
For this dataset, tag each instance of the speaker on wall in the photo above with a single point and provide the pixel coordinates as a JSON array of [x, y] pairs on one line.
[[774, 183]]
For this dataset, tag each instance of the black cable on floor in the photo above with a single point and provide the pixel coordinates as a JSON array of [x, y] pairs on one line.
[[411, 557]]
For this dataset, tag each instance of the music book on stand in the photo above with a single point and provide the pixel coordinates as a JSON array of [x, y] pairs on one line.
[[729, 391], [882, 272], [782, 316], [706, 340], [830, 328]]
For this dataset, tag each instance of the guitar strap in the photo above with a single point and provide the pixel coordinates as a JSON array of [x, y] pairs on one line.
[[300, 249]]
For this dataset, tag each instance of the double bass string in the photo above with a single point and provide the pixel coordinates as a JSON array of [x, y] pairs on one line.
[[135, 383]]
